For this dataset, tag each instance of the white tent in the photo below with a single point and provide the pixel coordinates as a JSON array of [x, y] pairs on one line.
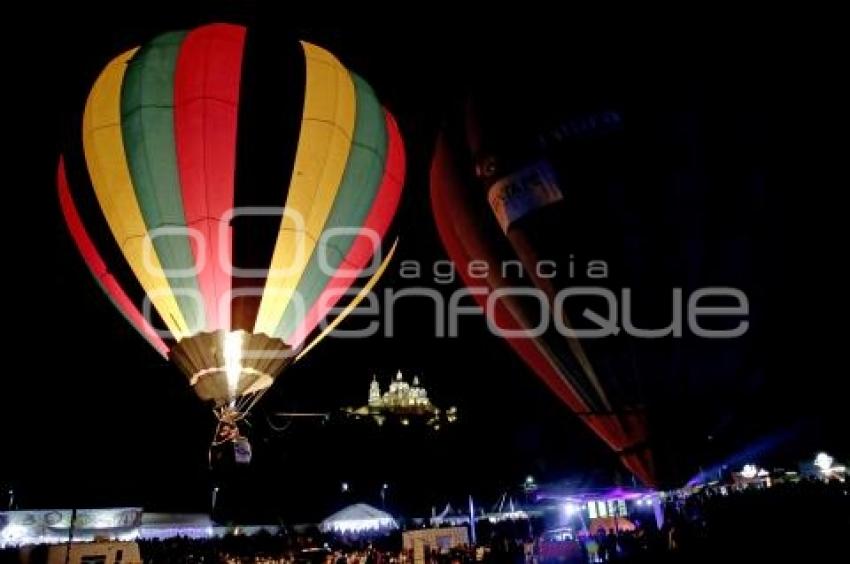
[[169, 525], [358, 518]]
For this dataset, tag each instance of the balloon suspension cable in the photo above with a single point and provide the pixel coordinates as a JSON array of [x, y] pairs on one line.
[[253, 399], [240, 403]]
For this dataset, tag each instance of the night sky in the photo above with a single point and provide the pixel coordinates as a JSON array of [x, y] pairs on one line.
[[96, 418]]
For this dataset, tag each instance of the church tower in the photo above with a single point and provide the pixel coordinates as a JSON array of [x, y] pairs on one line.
[[374, 392]]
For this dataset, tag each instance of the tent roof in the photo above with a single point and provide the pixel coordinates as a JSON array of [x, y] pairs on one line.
[[170, 519], [359, 512]]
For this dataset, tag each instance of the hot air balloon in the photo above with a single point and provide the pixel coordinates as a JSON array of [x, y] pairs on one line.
[[227, 188], [471, 233], [533, 195]]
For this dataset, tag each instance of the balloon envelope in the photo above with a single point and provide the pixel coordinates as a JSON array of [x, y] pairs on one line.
[[228, 187], [530, 195]]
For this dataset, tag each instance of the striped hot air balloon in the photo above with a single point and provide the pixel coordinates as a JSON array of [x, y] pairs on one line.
[[229, 188]]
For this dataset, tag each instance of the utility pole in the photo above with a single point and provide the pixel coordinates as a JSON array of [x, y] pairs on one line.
[[70, 536], [214, 496], [471, 520]]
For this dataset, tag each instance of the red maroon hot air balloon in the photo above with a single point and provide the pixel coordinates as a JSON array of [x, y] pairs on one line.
[[520, 179], [588, 250]]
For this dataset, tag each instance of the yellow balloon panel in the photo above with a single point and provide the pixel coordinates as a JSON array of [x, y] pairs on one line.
[[106, 160], [323, 145]]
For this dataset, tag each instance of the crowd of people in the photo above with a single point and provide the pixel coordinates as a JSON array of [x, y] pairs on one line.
[[799, 522], [261, 548], [810, 519]]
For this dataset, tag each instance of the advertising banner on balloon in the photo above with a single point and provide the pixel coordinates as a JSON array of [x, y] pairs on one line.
[[519, 194]]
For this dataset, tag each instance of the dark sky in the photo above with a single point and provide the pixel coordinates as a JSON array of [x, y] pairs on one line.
[[95, 417]]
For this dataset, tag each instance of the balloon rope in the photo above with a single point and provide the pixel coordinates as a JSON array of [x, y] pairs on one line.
[[214, 442], [240, 402], [243, 402], [255, 398]]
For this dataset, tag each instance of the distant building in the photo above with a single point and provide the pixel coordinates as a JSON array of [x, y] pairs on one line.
[[421, 542], [403, 401], [399, 394], [101, 552]]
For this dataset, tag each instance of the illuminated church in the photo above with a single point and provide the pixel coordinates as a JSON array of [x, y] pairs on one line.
[[403, 402], [400, 394]]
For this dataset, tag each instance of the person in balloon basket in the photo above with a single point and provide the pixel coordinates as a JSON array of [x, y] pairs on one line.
[[227, 433]]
